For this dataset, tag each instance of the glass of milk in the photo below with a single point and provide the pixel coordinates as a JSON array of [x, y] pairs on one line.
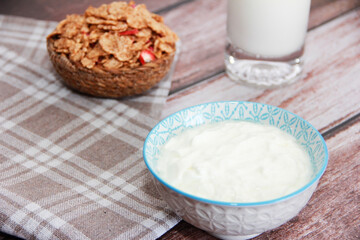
[[266, 40]]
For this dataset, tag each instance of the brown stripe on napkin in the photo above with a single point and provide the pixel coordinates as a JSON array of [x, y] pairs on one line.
[[71, 166]]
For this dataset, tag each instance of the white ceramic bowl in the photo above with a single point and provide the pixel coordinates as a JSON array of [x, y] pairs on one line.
[[233, 220]]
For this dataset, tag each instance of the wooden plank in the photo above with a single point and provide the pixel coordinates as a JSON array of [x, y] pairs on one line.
[[325, 10], [333, 211], [329, 92], [201, 28], [56, 10]]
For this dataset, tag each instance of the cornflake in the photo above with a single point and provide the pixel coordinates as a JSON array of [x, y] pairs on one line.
[[113, 36], [112, 64], [121, 26]]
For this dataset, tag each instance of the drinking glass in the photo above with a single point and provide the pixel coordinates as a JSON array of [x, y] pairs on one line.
[[265, 40]]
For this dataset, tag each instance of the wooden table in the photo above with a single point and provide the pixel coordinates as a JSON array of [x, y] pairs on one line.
[[328, 96]]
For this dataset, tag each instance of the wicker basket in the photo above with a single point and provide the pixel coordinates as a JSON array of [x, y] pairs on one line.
[[99, 83]]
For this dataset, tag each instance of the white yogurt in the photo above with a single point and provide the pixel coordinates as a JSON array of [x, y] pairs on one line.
[[270, 28], [234, 161]]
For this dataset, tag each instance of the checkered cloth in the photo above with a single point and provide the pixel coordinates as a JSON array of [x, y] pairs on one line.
[[71, 166]]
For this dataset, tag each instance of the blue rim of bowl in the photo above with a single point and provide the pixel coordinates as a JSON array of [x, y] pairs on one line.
[[244, 204]]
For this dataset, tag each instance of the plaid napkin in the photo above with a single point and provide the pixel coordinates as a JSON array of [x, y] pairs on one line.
[[71, 166]]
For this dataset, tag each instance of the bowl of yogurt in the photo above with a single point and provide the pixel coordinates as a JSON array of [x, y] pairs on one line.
[[235, 169]]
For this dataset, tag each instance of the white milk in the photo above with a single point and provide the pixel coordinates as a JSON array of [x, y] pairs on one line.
[[235, 161], [269, 28]]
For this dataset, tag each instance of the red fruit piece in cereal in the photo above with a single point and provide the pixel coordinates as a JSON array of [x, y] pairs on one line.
[[146, 56], [129, 32]]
